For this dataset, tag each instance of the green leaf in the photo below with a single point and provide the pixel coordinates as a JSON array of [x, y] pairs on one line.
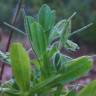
[[20, 66], [9, 92], [89, 90], [65, 34], [71, 93], [76, 68], [9, 88], [44, 85], [59, 61], [38, 39], [5, 58], [57, 30], [51, 51], [28, 20], [69, 45], [53, 18], [61, 30], [11, 84], [46, 17]]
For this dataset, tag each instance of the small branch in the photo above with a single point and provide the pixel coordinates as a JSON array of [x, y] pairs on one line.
[[72, 15], [18, 7], [13, 28], [81, 29]]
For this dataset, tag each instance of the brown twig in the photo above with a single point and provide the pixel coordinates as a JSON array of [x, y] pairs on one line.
[[16, 13]]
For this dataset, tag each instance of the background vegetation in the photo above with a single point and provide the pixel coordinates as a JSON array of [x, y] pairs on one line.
[[86, 13]]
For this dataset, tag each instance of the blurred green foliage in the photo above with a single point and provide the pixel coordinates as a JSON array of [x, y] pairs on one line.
[[6, 8], [86, 12]]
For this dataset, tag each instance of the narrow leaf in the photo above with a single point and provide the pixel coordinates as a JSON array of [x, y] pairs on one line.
[[20, 66], [89, 90], [69, 45], [46, 17], [76, 68], [38, 39]]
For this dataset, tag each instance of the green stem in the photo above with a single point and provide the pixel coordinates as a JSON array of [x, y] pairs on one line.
[[58, 91]]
